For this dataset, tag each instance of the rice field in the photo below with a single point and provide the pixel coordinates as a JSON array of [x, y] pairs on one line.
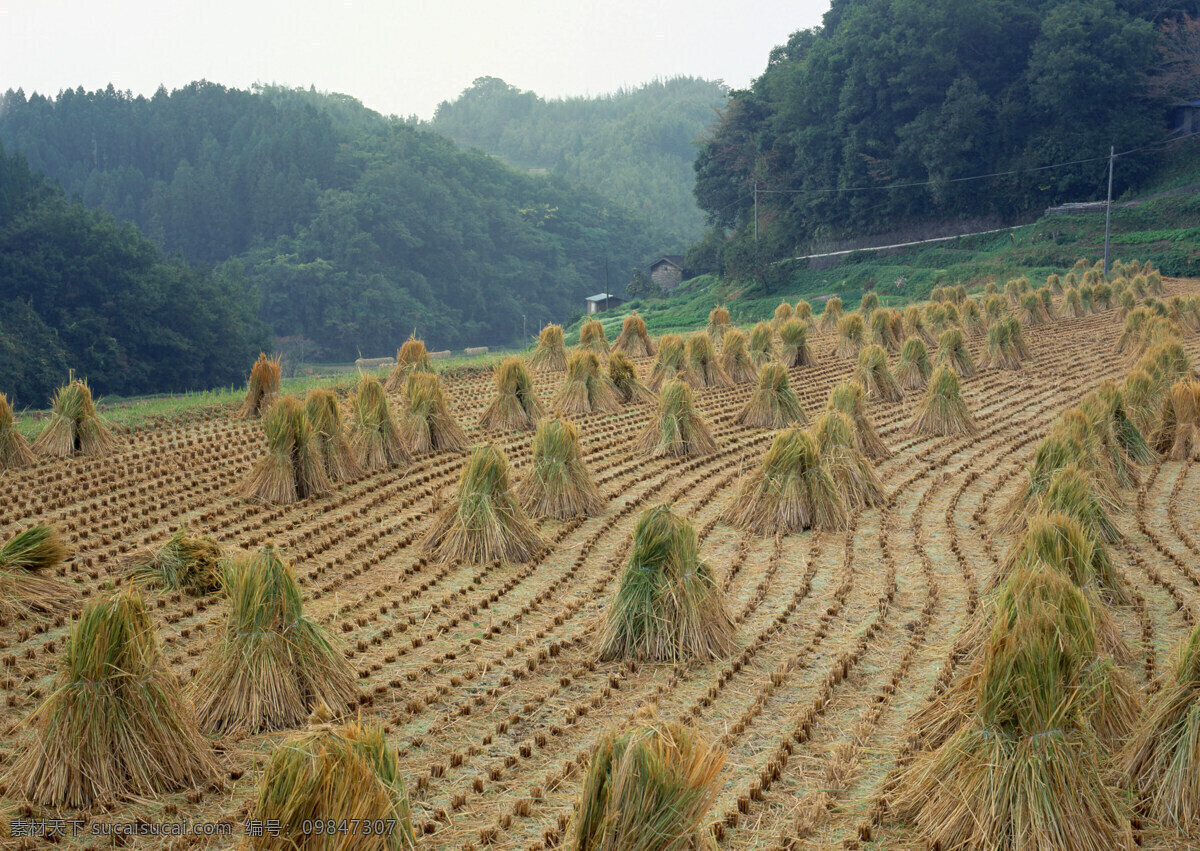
[[487, 677]]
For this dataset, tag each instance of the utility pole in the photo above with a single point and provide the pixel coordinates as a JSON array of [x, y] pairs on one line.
[[1108, 208], [756, 212]]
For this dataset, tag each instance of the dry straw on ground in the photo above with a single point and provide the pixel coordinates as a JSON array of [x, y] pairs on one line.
[[773, 403], [329, 434], [271, 666], [592, 337], [735, 360], [374, 435], [669, 606], [292, 469], [14, 450], [852, 472], [634, 339], [952, 351], [427, 424], [701, 367], [873, 374], [262, 387], [74, 427], [793, 344], [676, 428], [943, 411], [484, 521], [623, 375], [669, 365], [26, 585], [913, 369], [790, 491], [851, 336], [558, 484], [587, 389], [186, 562], [411, 357], [551, 353], [648, 789], [850, 398], [114, 724], [335, 775], [515, 406]]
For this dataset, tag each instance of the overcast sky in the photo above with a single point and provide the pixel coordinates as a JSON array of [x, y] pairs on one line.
[[401, 57]]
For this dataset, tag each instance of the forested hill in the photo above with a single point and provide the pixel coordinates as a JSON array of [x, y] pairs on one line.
[[81, 291], [635, 146], [350, 230], [891, 92]]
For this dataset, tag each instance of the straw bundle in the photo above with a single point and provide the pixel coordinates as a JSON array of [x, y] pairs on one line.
[[851, 334], [668, 607], [558, 485], [114, 724], [677, 429], [848, 397], [1154, 282], [623, 375], [634, 339], [1178, 433], [912, 372], [292, 469], [1133, 337], [773, 403], [789, 492], [374, 434], [994, 309], [1001, 350], [944, 412], [670, 362], [831, 314], [882, 331], [952, 351], [1046, 299], [186, 562], [735, 359], [853, 474], [649, 789], [793, 348], [1161, 759], [973, 318], [592, 337], [1141, 392], [427, 425], [271, 666], [550, 354], [1016, 336], [873, 374], [1024, 771], [515, 405], [1085, 298], [484, 522], [762, 344], [1012, 291], [410, 357], [587, 390], [335, 775], [1070, 492], [914, 324], [782, 314], [952, 320], [868, 304], [263, 386], [718, 323], [74, 428], [1060, 541], [14, 450], [803, 312], [958, 294], [329, 434], [701, 368], [1102, 295], [1054, 283], [937, 294], [935, 317], [1120, 439], [1072, 305], [25, 564]]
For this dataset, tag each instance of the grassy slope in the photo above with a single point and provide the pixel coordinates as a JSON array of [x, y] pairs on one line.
[[1161, 230]]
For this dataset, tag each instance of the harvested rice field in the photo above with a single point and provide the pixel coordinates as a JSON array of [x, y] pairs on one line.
[[485, 651]]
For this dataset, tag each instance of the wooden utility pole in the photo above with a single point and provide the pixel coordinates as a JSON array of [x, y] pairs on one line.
[[1108, 208]]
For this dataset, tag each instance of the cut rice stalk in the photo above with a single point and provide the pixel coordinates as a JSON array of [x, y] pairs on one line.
[[677, 429], [852, 472], [551, 353], [849, 398], [875, 377], [789, 492], [672, 356], [14, 449], [558, 485], [26, 586], [74, 427], [516, 406], [329, 434], [186, 562], [592, 337], [634, 339], [374, 435], [718, 323], [292, 469], [427, 424], [263, 386], [623, 375], [587, 389], [701, 367], [735, 359], [772, 404], [913, 370], [952, 350], [793, 344], [851, 334], [411, 357], [762, 344], [943, 411]]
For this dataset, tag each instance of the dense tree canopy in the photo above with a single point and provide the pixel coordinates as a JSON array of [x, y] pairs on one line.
[[635, 146], [350, 230], [79, 290], [893, 92]]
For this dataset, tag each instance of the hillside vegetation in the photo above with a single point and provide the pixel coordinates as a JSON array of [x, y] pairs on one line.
[[635, 147]]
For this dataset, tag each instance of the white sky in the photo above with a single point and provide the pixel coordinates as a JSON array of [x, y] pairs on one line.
[[396, 57]]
